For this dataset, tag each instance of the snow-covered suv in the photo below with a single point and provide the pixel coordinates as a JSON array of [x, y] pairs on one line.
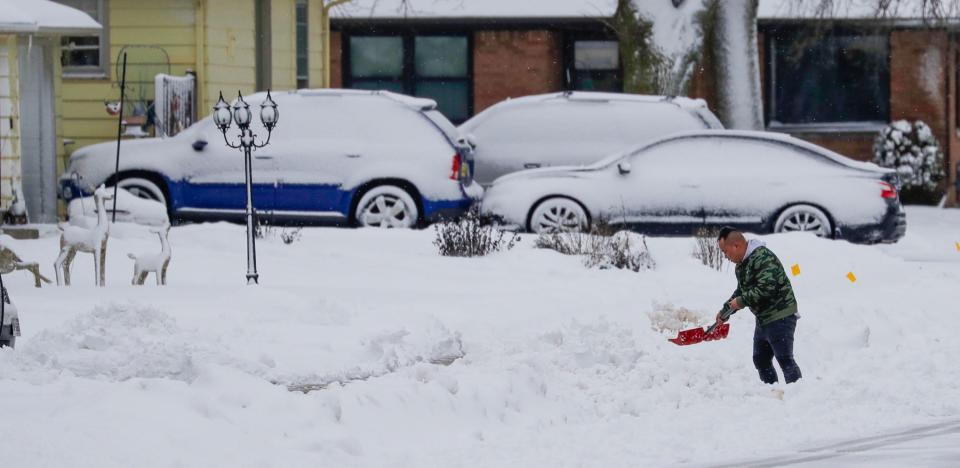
[[371, 158], [575, 128]]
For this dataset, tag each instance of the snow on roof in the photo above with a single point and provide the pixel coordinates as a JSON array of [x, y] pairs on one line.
[[662, 10], [43, 16], [476, 9], [855, 10]]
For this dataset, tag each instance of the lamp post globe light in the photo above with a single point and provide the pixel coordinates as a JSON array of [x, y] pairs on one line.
[[223, 115]]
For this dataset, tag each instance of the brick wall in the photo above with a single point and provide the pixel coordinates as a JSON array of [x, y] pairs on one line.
[[515, 63], [918, 86]]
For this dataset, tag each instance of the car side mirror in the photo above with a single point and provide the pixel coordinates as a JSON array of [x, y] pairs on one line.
[[471, 140], [624, 167], [199, 145]]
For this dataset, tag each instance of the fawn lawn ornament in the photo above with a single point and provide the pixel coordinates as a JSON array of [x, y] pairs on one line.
[[75, 239], [157, 263], [9, 262]]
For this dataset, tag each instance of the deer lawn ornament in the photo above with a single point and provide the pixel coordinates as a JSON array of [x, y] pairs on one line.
[[75, 239], [154, 262], [10, 261]]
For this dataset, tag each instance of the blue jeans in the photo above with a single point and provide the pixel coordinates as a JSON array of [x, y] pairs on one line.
[[776, 340]]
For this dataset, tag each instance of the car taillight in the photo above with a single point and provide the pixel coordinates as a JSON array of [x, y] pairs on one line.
[[455, 170], [887, 190]]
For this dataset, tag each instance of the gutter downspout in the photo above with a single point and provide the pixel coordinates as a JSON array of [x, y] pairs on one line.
[[200, 32]]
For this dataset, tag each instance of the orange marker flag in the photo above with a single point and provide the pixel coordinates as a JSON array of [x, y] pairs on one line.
[[852, 277], [795, 269]]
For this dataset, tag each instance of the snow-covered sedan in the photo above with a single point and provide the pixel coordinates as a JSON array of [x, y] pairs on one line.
[[369, 158], [575, 128], [760, 182]]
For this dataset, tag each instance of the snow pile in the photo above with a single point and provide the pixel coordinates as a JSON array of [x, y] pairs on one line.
[[913, 151], [112, 343]]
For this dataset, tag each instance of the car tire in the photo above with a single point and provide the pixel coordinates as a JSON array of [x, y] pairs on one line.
[[144, 188], [386, 206], [558, 214], [804, 218]]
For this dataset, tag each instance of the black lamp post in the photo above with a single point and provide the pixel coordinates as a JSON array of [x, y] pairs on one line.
[[240, 113]]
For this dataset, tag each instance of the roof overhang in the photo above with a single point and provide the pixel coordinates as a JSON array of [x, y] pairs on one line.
[[44, 17]]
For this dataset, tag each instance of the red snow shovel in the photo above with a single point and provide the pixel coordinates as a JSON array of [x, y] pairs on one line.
[[717, 331]]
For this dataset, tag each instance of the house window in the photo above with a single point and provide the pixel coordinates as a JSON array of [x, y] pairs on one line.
[[87, 54], [303, 73], [832, 77], [594, 65], [431, 66]]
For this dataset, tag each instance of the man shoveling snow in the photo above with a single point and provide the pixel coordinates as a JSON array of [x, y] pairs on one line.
[[763, 286]]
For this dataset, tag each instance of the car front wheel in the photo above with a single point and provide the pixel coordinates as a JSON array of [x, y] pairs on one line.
[[558, 214], [804, 218], [386, 206]]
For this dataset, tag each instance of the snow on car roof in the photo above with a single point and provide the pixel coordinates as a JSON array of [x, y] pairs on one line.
[[749, 135], [684, 102], [417, 103]]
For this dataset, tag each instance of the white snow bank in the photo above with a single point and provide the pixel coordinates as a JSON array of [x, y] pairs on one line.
[[562, 365]]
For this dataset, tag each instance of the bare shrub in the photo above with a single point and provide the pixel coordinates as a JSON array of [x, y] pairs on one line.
[[601, 247], [706, 249], [473, 235], [289, 236]]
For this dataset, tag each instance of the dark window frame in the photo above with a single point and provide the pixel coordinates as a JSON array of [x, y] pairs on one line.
[[89, 71], [569, 58], [409, 79], [302, 7], [771, 76]]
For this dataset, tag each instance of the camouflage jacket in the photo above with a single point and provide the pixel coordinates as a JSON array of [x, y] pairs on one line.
[[763, 286]]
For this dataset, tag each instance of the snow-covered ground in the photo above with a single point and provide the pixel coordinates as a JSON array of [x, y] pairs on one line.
[[523, 358]]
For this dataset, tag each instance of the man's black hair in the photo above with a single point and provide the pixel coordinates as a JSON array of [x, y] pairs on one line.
[[726, 231]]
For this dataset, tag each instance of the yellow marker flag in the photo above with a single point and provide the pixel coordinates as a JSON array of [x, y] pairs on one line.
[[795, 269], [958, 246], [852, 277]]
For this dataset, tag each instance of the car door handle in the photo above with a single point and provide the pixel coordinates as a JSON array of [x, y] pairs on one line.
[[264, 156], [531, 165], [352, 155]]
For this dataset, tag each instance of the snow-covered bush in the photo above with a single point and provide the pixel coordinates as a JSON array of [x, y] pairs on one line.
[[913, 151], [707, 250], [472, 235], [601, 247]]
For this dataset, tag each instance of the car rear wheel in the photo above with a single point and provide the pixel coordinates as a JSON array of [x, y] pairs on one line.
[[386, 206], [804, 218], [558, 214]]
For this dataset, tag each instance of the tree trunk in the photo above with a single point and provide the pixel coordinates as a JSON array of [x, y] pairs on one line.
[[736, 65]]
